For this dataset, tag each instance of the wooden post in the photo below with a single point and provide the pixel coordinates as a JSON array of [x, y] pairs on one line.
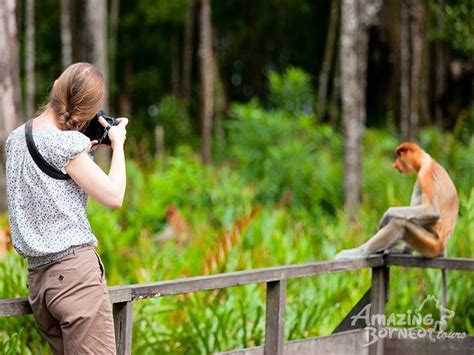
[[123, 327], [378, 299], [275, 317]]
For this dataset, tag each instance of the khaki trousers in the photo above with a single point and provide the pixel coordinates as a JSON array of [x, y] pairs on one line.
[[71, 304]]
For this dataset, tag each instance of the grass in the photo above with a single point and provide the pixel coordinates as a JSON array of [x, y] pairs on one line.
[[220, 204]]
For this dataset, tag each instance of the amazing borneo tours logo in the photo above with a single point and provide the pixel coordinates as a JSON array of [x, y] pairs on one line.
[[408, 325]]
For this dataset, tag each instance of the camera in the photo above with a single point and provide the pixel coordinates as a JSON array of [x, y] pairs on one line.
[[95, 131]]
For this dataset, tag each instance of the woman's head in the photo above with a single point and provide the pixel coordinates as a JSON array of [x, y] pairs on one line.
[[77, 95]]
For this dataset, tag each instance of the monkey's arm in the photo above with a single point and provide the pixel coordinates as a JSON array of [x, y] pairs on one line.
[[422, 214]]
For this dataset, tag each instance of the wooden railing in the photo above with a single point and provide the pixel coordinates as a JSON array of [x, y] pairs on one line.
[[275, 279]]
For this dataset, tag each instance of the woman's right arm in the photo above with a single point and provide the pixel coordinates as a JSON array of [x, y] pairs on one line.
[[108, 190]]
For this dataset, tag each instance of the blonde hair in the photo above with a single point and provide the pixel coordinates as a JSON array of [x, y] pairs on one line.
[[77, 95]]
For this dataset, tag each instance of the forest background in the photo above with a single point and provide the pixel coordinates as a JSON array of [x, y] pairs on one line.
[[268, 127]]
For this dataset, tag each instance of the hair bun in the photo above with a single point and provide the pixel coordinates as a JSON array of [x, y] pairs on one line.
[[69, 121]]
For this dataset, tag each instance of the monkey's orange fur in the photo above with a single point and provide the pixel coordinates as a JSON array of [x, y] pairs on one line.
[[428, 223], [176, 227], [437, 192]]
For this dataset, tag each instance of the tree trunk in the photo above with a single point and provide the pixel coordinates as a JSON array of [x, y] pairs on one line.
[[351, 92], [125, 100], [175, 65], [207, 79], [425, 88], [114, 20], [331, 40], [355, 22], [417, 32], [30, 101], [220, 103], [66, 34], [335, 94], [188, 50], [440, 68], [404, 72], [9, 84], [96, 36]]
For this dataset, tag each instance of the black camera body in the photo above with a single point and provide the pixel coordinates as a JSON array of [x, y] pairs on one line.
[[95, 131]]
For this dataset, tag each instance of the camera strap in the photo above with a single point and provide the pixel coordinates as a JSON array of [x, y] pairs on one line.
[[47, 168]]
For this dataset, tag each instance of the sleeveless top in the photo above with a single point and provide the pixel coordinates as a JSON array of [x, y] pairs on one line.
[[47, 216]]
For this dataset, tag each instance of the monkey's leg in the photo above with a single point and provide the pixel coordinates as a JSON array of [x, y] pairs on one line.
[[415, 235], [385, 238], [425, 242]]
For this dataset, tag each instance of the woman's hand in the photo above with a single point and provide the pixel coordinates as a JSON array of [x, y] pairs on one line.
[[109, 189], [117, 134]]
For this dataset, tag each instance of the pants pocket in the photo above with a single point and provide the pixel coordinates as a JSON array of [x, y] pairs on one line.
[[102, 269]]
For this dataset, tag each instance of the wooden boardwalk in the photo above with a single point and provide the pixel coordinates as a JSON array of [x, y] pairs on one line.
[[343, 340]]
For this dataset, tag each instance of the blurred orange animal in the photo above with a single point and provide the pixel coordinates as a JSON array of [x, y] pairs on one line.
[[176, 227], [5, 242]]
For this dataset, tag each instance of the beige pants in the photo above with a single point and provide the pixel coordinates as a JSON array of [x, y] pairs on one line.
[[71, 304]]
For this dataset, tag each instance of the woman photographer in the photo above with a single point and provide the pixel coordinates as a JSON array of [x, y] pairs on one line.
[[49, 226]]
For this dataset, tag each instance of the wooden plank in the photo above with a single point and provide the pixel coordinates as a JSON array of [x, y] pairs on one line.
[[239, 278], [275, 318], [346, 323], [436, 263], [119, 294], [349, 342], [426, 346], [10, 307], [352, 342], [378, 296], [20, 306], [123, 327]]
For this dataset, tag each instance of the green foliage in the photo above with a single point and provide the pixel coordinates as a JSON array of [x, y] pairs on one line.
[[291, 91], [173, 115], [212, 199], [18, 335], [457, 27], [169, 12], [279, 159], [285, 153]]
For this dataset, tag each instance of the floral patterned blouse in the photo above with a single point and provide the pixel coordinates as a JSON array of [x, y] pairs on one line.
[[47, 216]]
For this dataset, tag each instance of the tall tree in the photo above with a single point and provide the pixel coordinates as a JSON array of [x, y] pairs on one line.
[[440, 65], [417, 31], [114, 23], [9, 84], [404, 72], [66, 34], [175, 67], [356, 19], [331, 40], [30, 59], [335, 105], [207, 79], [96, 49], [188, 50], [96, 36]]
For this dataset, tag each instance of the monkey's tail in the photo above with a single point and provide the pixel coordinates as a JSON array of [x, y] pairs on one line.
[[444, 295]]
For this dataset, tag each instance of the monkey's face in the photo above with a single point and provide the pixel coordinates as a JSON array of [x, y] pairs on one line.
[[171, 211], [402, 165], [408, 158]]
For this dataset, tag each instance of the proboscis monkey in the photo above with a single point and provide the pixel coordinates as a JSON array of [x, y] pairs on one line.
[[176, 226], [5, 242], [428, 223]]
